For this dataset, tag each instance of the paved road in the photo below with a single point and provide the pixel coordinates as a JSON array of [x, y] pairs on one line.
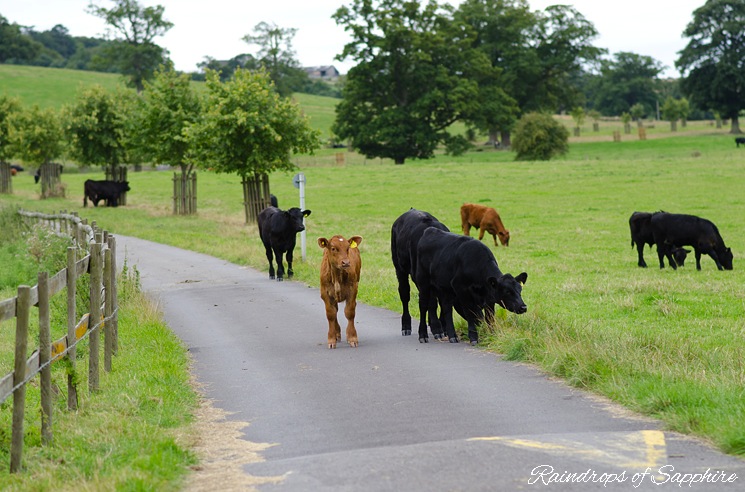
[[393, 414]]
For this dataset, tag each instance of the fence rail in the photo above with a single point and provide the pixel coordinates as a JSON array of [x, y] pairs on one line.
[[100, 264]]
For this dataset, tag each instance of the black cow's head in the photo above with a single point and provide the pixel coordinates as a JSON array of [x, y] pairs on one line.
[[507, 292], [726, 259], [679, 255], [295, 218], [124, 186]]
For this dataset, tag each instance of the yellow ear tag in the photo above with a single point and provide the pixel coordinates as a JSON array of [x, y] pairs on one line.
[[522, 284], [353, 244]]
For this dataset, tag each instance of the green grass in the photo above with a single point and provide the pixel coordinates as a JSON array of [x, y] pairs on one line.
[[666, 343]]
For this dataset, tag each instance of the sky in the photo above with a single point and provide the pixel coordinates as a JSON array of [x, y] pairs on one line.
[[215, 28]]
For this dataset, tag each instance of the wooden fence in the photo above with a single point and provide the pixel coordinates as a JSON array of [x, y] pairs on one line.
[[100, 264]]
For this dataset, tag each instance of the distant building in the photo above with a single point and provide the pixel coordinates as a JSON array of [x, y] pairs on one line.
[[327, 72]]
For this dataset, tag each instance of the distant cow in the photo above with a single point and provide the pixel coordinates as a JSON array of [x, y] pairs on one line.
[[278, 230], [739, 140], [406, 232], [486, 219], [688, 230], [641, 234], [340, 274], [463, 274], [108, 191]]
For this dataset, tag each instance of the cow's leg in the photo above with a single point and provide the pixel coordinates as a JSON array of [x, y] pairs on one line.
[[698, 259], [288, 256], [425, 295], [350, 306], [334, 334], [280, 265], [435, 322], [404, 293], [270, 258], [640, 250], [473, 332], [446, 313], [466, 226], [482, 230]]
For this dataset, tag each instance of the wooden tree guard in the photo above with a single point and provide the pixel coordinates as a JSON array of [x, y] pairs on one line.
[[6, 184], [184, 194], [51, 180], [256, 196]]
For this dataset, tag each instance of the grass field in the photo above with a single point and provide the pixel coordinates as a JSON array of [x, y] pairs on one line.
[[666, 343]]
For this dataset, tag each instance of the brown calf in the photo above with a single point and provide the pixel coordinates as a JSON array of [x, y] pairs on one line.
[[340, 273], [486, 219]]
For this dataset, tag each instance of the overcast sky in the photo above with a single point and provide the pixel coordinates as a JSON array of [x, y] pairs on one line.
[[215, 27]]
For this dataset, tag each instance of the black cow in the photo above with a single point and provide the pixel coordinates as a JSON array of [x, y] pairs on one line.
[[108, 191], [641, 234], [278, 230], [739, 140], [462, 273], [688, 230], [405, 234]]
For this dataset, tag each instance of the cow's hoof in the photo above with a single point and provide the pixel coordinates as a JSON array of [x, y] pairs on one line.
[[474, 342], [353, 344], [271, 277], [279, 279], [453, 339], [423, 340], [332, 345], [438, 336], [405, 333]]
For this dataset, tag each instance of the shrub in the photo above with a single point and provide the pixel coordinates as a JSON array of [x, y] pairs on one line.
[[539, 137]]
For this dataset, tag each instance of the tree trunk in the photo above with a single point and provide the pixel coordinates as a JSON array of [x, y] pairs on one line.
[[506, 139], [399, 160], [735, 128]]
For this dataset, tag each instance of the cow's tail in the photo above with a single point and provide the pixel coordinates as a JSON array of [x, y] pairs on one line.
[[85, 199]]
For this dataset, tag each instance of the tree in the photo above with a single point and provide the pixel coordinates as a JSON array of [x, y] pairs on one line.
[[169, 107], [578, 115], [8, 107], [713, 61], [247, 128], [227, 68], [134, 52], [625, 80], [540, 53], [638, 111], [277, 57], [96, 129], [671, 112], [539, 137], [416, 74], [14, 45]]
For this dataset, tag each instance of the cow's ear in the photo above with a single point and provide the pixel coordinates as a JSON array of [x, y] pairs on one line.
[[323, 242], [355, 241], [522, 278], [306, 213]]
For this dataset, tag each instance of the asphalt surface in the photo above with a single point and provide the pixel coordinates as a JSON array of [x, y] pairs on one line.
[[394, 414]]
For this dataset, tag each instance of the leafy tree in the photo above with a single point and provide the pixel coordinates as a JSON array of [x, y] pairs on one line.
[[626, 80], [134, 52], [539, 137], [626, 120], [277, 57], [96, 129], [170, 106], [671, 112], [248, 129], [416, 74], [638, 111], [14, 45], [540, 53], [713, 61], [578, 115], [227, 68], [36, 136], [8, 107]]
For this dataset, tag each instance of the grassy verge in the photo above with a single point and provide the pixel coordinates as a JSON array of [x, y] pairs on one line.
[[666, 343], [133, 434]]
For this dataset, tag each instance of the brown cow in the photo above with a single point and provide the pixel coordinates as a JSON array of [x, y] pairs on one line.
[[486, 219], [340, 273]]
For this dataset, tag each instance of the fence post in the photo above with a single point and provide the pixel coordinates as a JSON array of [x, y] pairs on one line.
[[114, 297], [72, 279], [45, 354], [108, 347], [23, 306], [95, 314]]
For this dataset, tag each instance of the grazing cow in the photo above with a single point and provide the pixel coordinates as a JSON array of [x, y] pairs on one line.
[[108, 191], [462, 274], [278, 231], [405, 234], [486, 219], [641, 234], [671, 230], [340, 274], [739, 140]]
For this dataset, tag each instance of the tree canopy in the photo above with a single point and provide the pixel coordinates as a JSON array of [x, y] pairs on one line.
[[625, 80], [277, 56], [248, 129], [713, 61], [134, 28], [416, 74]]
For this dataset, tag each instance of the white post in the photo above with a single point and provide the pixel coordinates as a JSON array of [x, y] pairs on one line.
[[301, 182]]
